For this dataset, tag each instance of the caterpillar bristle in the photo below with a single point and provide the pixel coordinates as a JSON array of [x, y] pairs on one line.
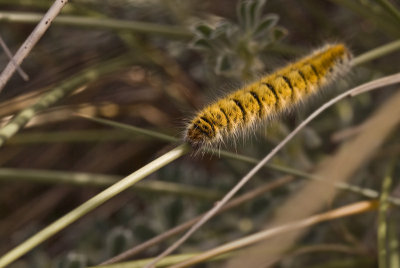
[[269, 96]]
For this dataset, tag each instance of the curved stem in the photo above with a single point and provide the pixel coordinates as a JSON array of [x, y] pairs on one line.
[[389, 80], [376, 53]]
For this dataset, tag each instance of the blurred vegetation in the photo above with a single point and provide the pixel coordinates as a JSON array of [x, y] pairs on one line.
[[168, 59]]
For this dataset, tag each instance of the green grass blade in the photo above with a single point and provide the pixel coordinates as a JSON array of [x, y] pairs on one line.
[[102, 23], [382, 218], [57, 93], [394, 248], [102, 180], [288, 170], [92, 203]]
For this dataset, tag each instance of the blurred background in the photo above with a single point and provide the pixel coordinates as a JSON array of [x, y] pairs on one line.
[[170, 58]]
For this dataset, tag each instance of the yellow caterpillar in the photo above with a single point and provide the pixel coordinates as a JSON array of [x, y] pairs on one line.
[[269, 96]]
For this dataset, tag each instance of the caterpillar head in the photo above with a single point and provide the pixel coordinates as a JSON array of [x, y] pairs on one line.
[[199, 133]]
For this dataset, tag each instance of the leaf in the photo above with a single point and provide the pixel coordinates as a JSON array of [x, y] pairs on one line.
[[201, 44], [203, 30], [255, 10], [241, 13], [223, 35], [224, 64], [223, 29], [251, 13], [266, 24], [279, 33]]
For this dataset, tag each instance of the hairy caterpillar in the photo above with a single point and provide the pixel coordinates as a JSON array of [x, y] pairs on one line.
[[268, 96]]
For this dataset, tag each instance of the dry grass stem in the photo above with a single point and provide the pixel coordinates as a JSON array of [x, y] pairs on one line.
[[385, 81], [10, 57], [314, 196], [184, 226], [341, 212], [31, 41]]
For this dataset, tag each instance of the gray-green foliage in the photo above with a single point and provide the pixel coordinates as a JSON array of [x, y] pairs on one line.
[[233, 49], [73, 260]]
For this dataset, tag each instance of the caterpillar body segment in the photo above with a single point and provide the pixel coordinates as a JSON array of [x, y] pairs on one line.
[[267, 97]]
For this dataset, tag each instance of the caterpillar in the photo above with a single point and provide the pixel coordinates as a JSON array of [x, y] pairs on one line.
[[269, 96]]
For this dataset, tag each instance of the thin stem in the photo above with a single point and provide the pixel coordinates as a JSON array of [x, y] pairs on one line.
[[167, 261], [58, 92], [390, 8], [186, 225], [367, 86], [138, 130], [140, 174], [356, 208], [376, 53], [378, 17], [394, 249], [382, 216], [44, 23], [369, 193], [91, 204], [10, 57], [72, 136], [102, 180], [102, 23]]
